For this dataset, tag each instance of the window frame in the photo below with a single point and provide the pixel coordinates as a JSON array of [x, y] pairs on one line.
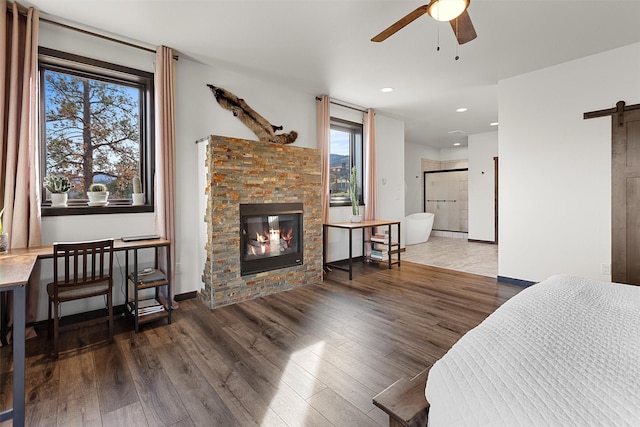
[[58, 61], [354, 129]]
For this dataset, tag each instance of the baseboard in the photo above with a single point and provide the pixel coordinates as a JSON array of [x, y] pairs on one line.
[[118, 311], [490, 242], [346, 260], [185, 296], [518, 282]]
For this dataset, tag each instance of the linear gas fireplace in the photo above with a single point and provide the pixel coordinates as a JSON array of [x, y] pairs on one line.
[[271, 236]]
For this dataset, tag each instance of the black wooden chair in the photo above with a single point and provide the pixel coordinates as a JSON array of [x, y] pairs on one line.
[[87, 272]]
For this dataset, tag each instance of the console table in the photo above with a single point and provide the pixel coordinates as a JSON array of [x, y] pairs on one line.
[[356, 226]]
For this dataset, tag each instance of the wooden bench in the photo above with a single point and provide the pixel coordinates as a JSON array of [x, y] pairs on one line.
[[404, 401]]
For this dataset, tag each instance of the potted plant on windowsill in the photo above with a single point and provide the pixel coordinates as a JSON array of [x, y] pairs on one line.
[[137, 198], [353, 195], [58, 186], [98, 195]]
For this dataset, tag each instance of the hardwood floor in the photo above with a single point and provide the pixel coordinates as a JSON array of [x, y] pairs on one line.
[[314, 356]]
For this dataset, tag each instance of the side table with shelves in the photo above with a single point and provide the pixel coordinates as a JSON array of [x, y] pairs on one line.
[[144, 310], [372, 224]]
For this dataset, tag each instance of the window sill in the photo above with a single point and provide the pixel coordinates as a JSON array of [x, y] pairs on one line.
[[89, 210], [334, 204]]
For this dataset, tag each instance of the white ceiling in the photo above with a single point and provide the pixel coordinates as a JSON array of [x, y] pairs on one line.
[[324, 47]]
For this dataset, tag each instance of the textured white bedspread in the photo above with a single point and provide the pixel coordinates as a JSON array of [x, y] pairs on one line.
[[563, 352]]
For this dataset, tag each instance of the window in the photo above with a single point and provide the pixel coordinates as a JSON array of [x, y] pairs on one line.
[[345, 153], [96, 127]]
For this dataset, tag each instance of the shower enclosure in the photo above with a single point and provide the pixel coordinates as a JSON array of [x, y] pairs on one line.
[[446, 195]]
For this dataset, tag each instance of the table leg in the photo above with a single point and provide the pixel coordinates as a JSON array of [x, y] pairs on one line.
[[126, 280], [3, 318], [398, 245], [136, 312], [19, 309], [364, 253], [389, 255], [324, 248], [350, 253], [169, 284]]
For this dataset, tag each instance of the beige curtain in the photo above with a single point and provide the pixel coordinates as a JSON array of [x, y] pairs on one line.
[[323, 123], [165, 135], [370, 187], [19, 169]]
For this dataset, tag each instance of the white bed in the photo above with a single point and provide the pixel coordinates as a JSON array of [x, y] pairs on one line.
[[563, 352]]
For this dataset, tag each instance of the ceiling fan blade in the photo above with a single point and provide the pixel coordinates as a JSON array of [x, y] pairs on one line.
[[463, 28], [400, 24]]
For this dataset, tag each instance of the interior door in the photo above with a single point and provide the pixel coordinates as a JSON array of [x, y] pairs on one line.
[[625, 209]]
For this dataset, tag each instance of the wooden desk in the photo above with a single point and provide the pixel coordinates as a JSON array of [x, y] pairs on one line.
[[355, 226], [15, 269], [46, 251]]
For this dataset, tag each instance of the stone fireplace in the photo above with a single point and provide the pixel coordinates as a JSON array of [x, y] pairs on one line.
[[263, 219]]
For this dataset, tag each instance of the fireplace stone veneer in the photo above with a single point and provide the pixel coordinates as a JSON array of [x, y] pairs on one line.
[[243, 172]]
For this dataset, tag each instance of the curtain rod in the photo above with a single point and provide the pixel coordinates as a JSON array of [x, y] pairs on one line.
[[101, 36], [362, 110], [90, 33]]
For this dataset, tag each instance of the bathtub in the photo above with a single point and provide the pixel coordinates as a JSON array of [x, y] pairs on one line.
[[418, 227]]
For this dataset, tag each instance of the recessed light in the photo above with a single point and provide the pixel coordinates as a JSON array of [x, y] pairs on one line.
[[456, 132], [493, 124], [456, 143], [461, 110], [386, 89]]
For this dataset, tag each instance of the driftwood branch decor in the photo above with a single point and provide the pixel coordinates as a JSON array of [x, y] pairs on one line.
[[264, 130]]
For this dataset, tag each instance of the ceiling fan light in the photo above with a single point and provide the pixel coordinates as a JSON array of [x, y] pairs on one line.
[[446, 10]]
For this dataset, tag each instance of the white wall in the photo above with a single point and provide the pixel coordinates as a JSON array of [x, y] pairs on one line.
[[555, 167], [454, 153], [483, 147], [390, 170], [413, 155]]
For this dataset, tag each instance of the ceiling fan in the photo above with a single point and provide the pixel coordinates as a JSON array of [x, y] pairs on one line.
[[454, 11]]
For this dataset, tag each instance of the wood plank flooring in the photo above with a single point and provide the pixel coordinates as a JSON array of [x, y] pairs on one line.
[[313, 356]]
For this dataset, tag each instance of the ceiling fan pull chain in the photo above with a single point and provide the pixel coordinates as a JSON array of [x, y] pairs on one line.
[[457, 44], [438, 36]]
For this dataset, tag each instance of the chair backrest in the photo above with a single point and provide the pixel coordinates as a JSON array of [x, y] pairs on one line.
[[84, 262]]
